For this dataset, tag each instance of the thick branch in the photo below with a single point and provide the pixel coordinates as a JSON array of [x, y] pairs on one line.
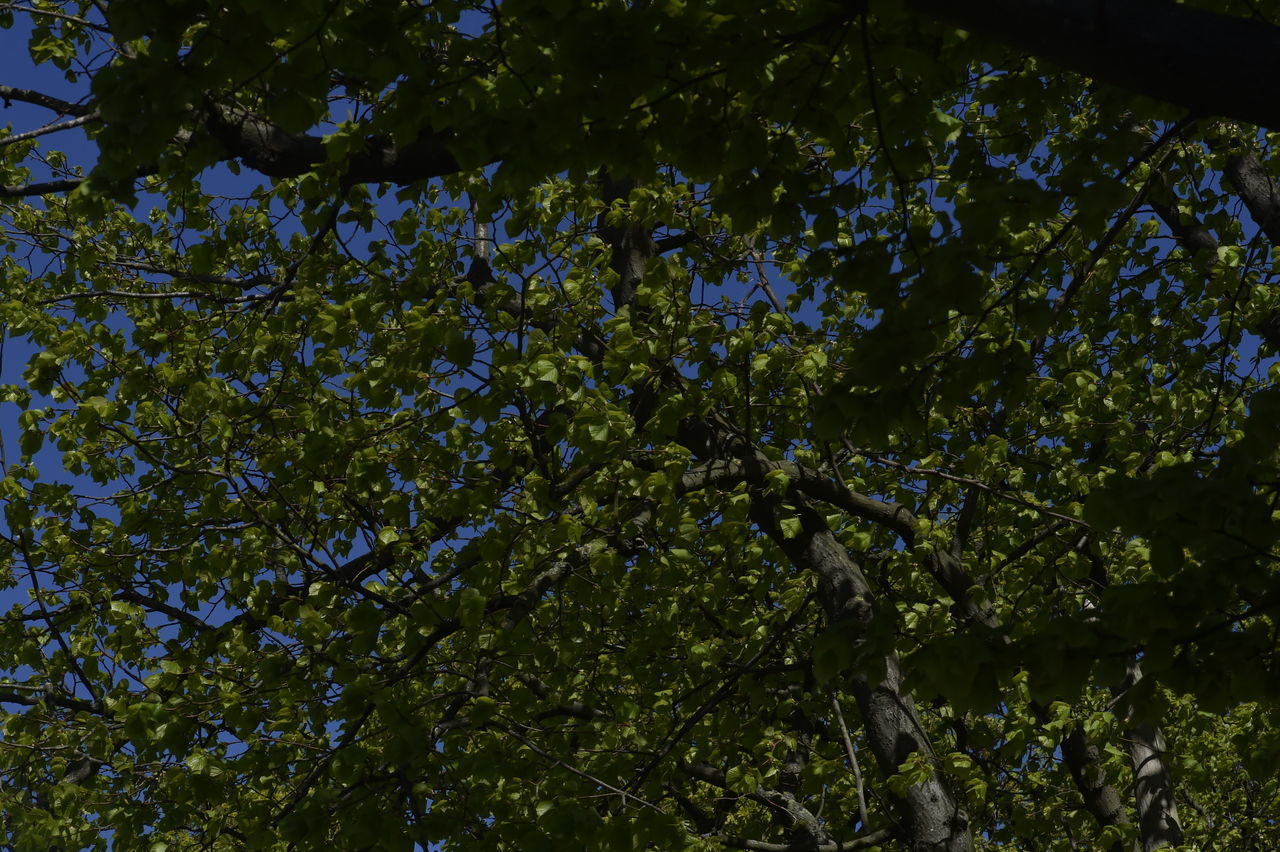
[[1152, 788], [30, 96], [35, 699], [943, 565], [1152, 785], [154, 605], [30, 190], [930, 815], [892, 516], [1100, 798], [1206, 61], [271, 151], [1198, 240], [1251, 181], [48, 129]]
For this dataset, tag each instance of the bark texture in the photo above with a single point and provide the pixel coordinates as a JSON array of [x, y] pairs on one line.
[[1152, 785], [930, 816], [1249, 178], [1153, 789], [1100, 798]]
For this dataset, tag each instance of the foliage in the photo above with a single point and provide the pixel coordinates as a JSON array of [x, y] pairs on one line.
[[860, 434]]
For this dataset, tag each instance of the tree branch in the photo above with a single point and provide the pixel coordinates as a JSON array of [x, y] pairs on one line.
[[1206, 61], [48, 128], [1252, 182], [35, 699], [27, 190], [30, 96], [269, 150], [875, 838]]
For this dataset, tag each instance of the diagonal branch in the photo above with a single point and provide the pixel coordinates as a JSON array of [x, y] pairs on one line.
[[1206, 61], [932, 817], [266, 148], [35, 699], [8, 94], [1255, 186], [49, 128], [875, 838]]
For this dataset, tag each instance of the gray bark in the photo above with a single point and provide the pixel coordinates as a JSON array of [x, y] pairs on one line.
[[1152, 786], [930, 816], [1153, 789], [1251, 181], [1082, 758]]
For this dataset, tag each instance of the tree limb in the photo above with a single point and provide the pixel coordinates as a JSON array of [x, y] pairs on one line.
[[30, 96], [1206, 61], [269, 150], [875, 838]]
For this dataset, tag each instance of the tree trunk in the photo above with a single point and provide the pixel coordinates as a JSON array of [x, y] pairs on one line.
[[1152, 787]]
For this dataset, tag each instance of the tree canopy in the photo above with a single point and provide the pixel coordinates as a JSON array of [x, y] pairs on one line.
[[688, 424]]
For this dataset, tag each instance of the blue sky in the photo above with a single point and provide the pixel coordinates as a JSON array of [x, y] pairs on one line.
[[15, 69]]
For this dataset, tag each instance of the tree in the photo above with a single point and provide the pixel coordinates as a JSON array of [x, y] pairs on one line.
[[862, 434]]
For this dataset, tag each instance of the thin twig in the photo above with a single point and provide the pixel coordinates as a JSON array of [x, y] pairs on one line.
[[49, 13], [853, 762], [898, 182], [49, 128], [964, 480], [580, 773]]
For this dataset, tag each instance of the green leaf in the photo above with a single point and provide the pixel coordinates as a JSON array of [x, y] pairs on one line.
[[470, 607]]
